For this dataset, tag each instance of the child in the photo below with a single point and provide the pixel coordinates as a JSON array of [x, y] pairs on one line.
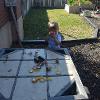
[[54, 40]]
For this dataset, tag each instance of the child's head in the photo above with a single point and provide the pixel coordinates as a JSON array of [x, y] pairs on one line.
[[53, 27]]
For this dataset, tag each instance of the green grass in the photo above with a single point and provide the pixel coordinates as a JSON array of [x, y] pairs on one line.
[[72, 26]]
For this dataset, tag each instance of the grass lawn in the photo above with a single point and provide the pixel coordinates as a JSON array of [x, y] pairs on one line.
[[72, 26]]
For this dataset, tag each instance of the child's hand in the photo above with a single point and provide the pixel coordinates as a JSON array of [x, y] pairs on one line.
[[52, 34]]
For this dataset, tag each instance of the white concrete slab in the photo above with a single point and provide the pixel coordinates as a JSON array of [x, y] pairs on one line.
[[27, 66], [6, 85], [13, 55], [26, 90], [78, 81], [8, 68], [62, 68], [3, 58], [29, 53], [59, 83], [54, 55]]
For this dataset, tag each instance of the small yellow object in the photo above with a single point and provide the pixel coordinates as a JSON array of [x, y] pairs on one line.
[[44, 78], [41, 79], [35, 70], [58, 73], [34, 80], [31, 71], [49, 78]]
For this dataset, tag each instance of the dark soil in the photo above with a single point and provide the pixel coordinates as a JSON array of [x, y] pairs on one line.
[[86, 58]]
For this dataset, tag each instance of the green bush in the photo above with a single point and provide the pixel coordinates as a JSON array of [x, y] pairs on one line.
[[75, 2], [85, 2], [71, 2]]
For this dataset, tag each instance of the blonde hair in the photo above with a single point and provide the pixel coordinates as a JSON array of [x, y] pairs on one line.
[[53, 26]]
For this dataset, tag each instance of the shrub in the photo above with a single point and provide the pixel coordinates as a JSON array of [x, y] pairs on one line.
[[75, 2], [71, 2], [85, 2]]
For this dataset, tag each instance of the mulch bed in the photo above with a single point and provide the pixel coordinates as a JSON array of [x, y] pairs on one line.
[[86, 58]]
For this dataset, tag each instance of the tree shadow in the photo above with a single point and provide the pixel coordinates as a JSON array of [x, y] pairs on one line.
[[36, 24]]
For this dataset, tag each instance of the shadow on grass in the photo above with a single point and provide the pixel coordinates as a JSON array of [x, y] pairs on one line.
[[36, 24]]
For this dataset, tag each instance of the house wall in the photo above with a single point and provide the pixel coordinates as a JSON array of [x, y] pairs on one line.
[[7, 26], [5, 36], [3, 14]]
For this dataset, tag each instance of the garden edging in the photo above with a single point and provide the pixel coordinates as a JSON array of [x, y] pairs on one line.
[[95, 35]]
